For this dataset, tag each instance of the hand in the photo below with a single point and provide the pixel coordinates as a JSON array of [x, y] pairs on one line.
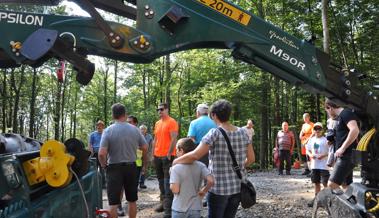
[[169, 156], [339, 152], [201, 193]]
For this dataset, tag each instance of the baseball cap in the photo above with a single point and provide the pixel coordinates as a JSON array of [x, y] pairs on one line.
[[202, 108], [317, 124]]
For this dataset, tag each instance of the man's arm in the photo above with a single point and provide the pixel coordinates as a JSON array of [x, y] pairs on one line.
[[352, 125], [103, 152], [196, 154], [173, 136], [250, 156], [143, 148], [90, 147]]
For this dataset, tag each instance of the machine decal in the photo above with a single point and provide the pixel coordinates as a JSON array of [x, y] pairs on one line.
[[29, 19], [228, 10], [274, 35], [285, 56]]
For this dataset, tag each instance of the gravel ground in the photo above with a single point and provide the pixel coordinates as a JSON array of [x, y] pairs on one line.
[[277, 196]]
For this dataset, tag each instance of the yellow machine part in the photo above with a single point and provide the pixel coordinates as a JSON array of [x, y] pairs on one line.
[[33, 172], [52, 165]]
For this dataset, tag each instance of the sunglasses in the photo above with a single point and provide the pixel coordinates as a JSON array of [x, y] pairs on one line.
[[160, 109], [317, 129]]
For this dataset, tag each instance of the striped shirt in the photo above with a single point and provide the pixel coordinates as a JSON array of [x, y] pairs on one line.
[[220, 162], [285, 140]]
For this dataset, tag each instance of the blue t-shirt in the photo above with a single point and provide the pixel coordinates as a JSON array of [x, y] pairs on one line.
[[200, 127], [94, 140]]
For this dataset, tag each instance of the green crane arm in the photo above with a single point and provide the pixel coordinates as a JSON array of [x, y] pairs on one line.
[[167, 26]]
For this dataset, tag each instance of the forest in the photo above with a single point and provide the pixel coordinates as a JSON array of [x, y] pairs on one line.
[[38, 104]]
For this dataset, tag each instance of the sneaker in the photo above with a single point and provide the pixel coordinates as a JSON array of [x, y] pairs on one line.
[[310, 203], [120, 211], [159, 209], [142, 186]]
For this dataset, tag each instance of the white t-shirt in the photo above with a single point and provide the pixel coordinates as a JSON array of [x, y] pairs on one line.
[[250, 132], [318, 146]]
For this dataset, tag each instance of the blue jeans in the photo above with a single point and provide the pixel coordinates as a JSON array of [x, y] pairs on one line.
[[188, 214], [223, 206]]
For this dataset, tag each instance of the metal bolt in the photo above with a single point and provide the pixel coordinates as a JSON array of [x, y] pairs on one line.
[[111, 34], [117, 37], [17, 54], [142, 46], [147, 7], [14, 50], [347, 82], [314, 60], [346, 73], [11, 42], [113, 40], [135, 42], [318, 75], [348, 92], [163, 26], [146, 13], [147, 43], [151, 12], [375, 97]]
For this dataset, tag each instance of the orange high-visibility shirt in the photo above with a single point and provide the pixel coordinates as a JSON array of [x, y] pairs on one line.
[[162, 131], [307, 130]]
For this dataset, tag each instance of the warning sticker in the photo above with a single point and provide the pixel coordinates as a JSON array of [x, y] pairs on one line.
[[227, 10]]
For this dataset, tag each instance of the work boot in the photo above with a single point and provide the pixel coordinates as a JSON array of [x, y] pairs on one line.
[[159, 208], [306, 172]]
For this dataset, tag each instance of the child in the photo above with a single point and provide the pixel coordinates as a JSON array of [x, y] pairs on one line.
[[318, 150], [185, 183]]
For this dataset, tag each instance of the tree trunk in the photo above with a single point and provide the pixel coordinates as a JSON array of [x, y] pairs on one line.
[[32, 104], [57, 110], [168, 81], [75, 110], [4, 101], [144, 89], [325, 25], [105, 96], [277, 101], [17, 91], [115, 82]]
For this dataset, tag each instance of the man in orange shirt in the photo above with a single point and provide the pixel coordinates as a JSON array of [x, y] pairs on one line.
[[305, 135], [166, 132]]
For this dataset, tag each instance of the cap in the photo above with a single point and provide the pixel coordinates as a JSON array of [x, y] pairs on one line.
[[100, 122], [202, 108], [317, 124]]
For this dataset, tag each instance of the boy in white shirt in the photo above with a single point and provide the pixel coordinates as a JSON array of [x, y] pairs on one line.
[[185, 183], [318, 150]]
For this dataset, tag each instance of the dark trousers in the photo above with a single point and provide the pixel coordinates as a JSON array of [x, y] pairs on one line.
[[100, 169], [223, 206], [284, 155], [162, 168]]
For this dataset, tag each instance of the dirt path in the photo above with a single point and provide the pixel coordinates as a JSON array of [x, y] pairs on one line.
[[278, 196]]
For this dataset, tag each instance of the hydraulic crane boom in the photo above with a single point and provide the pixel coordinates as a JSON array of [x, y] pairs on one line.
[[167, 26]]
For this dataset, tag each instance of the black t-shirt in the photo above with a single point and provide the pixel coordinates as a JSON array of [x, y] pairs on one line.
[[342, 130]]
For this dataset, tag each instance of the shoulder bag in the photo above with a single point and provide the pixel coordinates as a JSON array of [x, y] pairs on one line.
[[248, 193]]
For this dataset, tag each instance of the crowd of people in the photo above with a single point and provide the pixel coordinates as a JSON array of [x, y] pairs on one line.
[[327, 159], [197, 170]]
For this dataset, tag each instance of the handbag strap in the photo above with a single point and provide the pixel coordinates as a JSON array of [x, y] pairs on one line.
[[236, 168]]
